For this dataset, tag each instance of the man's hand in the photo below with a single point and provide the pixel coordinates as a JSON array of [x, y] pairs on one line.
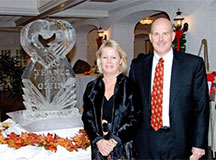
[[197, 153]]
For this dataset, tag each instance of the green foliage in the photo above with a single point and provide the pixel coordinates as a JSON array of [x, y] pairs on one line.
[[182, 44], [182, 39], [10, 75]]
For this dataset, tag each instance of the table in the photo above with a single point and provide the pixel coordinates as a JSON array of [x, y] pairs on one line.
[[81, 83], [212, 127], [36, 153]]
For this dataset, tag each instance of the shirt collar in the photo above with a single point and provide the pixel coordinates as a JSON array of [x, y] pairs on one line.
[[166, 57]]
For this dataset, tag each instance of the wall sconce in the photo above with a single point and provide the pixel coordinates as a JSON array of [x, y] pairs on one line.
[[101, 36], [180, 39], [100, 32], [178, 21], [147, 20]]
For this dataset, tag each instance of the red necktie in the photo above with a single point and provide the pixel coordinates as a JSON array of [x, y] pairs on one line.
[[157, 96]]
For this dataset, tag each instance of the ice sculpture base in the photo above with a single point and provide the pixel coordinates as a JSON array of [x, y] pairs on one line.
[[34, 121]]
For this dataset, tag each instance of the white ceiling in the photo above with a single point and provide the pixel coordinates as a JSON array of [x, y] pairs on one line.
[[16, 13]]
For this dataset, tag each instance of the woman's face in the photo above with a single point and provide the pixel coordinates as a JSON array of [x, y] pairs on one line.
[[110, 60]]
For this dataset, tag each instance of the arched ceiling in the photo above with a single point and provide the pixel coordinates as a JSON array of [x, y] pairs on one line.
[[16, 13]]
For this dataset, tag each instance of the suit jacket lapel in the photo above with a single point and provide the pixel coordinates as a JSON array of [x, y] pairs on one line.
[[147, 77], [176, 80]]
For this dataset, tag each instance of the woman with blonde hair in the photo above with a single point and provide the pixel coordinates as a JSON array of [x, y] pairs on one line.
[[110, 113]]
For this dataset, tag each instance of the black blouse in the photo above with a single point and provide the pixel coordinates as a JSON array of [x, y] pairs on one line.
[[107, 116], [107, 109]]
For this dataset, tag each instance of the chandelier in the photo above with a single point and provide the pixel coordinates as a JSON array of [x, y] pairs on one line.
[[147, 20]]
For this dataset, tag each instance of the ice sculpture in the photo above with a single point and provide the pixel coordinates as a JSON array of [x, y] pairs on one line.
[[49, 81]]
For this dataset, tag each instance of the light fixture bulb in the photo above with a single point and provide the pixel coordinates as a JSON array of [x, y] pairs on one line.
[[147, 20]]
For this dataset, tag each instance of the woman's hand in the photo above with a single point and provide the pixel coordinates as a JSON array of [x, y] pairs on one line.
[[114, 143], [105, 147]]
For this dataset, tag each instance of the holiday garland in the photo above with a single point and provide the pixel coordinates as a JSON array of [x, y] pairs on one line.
[[179, 43]]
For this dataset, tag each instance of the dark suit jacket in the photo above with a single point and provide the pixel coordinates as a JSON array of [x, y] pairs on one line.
[[189, 105]]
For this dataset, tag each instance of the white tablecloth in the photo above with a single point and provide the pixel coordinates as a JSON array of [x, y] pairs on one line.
[[39, 153], [81, 82], [212, 127]]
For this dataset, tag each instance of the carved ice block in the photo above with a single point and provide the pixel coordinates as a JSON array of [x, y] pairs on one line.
[[49, 82]]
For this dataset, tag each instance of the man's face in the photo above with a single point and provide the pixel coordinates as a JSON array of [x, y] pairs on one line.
[[161, 36]]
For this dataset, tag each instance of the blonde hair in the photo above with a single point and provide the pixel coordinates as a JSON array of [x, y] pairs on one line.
[[113, 44]]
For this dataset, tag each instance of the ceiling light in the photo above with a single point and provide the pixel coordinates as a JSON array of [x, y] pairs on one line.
[[147, 20]]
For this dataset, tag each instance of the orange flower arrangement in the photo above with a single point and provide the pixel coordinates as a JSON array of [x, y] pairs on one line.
[[49, 142]]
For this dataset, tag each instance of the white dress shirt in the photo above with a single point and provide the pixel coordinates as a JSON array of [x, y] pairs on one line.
[[168, 59]]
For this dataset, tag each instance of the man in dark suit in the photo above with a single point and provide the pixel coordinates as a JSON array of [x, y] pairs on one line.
[[182, 128]]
